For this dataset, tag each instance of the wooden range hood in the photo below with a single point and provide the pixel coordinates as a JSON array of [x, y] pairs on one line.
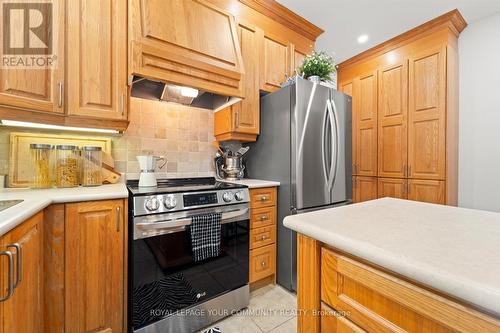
[[188, 43]]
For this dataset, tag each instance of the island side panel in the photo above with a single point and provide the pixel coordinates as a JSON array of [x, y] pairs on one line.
[[308, 284]]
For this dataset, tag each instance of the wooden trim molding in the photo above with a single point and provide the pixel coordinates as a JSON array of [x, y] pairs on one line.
[[452, 20], [285, 16]]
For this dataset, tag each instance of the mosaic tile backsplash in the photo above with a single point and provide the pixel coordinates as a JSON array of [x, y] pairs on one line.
[[184, 135]]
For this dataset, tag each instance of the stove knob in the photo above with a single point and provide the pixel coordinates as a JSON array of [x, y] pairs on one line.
[[227, 196], [152, 204], [169, 201], [239, 195]]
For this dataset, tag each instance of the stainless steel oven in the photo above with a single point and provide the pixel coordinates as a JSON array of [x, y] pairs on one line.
[[168, 290]]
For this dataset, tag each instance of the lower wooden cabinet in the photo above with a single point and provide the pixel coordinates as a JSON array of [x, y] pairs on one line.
[[95, 266], [432, 191], [262, 235], [23, 310], [393, 187], [334, 322], [364, 188]]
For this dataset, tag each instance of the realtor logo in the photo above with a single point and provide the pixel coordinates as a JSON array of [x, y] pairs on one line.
[[27, 35]]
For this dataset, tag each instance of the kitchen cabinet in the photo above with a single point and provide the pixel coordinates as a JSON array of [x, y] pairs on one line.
[[393, 187], [417, 116], [432, 191], [23, 310], [427, 114], [197, 46], [392, 120], [364, 188], [274, 69], [95, 266], [96, 62], [262, 259], [297, 59], [365, 119], [241, 121], [38, 89]]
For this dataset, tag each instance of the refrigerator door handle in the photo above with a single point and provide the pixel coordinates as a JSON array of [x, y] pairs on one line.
[[323, 139], [332, 113]]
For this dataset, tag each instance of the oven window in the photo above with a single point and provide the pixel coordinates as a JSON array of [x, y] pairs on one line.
[[167, 279]]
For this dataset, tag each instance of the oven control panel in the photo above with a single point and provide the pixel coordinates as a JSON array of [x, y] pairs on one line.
[[171, 202]]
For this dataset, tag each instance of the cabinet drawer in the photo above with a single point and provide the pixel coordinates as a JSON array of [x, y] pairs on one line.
[[262, 262], [262, 236], [261, 217], [263, 197]]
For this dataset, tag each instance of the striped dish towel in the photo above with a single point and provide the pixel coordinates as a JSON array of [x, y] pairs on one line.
[[205, 236]]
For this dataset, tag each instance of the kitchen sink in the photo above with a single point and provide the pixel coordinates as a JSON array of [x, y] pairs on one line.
[[4, 204]]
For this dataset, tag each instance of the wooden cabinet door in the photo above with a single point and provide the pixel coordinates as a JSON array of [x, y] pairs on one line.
[[39, 89], [365, 97], [427, 115], [97, 61], [432, 191], [23, 311], [297, 58], [392, 187], [364, 188], [275, 63], [95, 266], [247, 112], [347, 88], [392, 121]]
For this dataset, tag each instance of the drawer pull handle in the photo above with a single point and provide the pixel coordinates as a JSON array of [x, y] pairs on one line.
[[10, 285], [264, 237], [263, 264], [264, 198], [263, 217], [19, 262]]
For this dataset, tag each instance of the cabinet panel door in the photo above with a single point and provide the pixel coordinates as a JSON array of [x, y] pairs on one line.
[[365, 92], [274, 69], [392, 121], [432, 191], [247, 112], [392, 187], [95, 240], [364, 188], [298, 58], [97, 61], [347, 88], [38, 89], [427, 115], [23, 312]]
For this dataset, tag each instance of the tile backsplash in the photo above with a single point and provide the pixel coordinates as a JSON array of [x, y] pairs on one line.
[[182, 134]]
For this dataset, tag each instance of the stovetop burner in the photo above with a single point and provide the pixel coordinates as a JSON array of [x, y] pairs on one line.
[[177, 185]]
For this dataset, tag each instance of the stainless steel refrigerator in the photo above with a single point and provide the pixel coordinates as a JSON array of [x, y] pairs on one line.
[[305, 144]]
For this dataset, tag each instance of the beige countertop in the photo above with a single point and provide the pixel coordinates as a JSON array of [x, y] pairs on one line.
[[254, 183], [36, 200], [453, 250]]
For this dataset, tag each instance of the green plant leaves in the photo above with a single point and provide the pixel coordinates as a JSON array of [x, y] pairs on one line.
[[318, 63]]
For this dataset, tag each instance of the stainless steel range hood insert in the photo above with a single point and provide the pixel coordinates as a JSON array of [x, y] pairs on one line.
[[167, 92]]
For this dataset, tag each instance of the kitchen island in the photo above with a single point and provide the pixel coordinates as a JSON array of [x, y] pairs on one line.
[[396, 265]]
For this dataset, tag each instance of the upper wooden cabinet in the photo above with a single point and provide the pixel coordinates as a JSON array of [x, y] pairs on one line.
[[38, 89], [417, 116], [392, 120], [23, 310], [275, 66], [195, 45], [95, 236], [96, 63], [427, 114]]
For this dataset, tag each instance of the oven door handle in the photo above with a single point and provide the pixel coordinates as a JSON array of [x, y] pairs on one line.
[[176, 223]]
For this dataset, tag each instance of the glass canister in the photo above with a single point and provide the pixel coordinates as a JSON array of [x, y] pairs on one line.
[[91, 166], [41, 159], [67, 157]]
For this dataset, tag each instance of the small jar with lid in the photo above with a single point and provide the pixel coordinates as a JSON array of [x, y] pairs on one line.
[[67, 165], [91, 166], [41, 159]]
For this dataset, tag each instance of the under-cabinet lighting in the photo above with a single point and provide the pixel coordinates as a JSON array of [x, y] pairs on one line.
[[362, 39], [26, 124], [189, 92]]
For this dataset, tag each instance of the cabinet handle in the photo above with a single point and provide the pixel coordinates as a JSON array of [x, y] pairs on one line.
[[409, 171], [118, 218], [10, 288], [236, 119], [122, 106], [19, 262], [263, 217], [408, 189], [263, 264], [264, 198], [264, 237], [60, 89]]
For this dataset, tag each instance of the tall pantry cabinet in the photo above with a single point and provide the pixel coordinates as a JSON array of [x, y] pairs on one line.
[[405, 114]]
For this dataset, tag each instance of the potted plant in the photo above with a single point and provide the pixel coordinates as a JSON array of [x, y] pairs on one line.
[[317, 67]]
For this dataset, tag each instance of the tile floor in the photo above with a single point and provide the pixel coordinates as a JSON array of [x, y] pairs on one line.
[[271, 310]]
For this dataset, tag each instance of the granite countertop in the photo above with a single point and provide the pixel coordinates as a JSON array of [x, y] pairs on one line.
[[36, 200], [254, 183], [453, 250]]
